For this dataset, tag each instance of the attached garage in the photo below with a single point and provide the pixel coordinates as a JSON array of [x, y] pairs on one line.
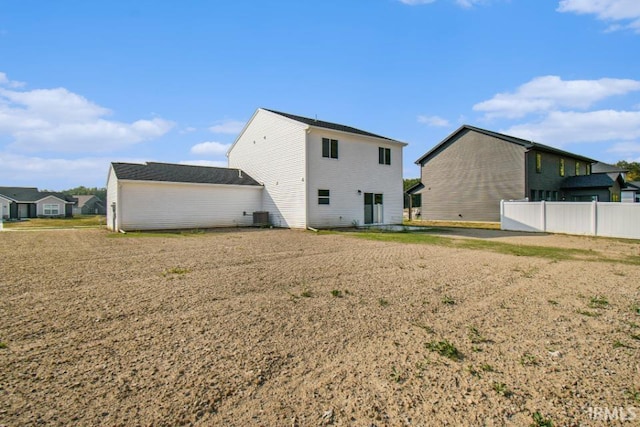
[[156, 196]]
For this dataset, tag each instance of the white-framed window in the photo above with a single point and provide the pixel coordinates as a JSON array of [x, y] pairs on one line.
[[51, 209], [323, 197], [384, 156]]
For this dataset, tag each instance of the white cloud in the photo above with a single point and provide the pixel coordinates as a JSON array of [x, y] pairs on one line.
[[563, 127], [625, 148], [188, 129], [4, 81], [52, 173], [210, 148], [548, 93], [606, 10], [214, 163], [435, 121], [227, 126], [58, 120]]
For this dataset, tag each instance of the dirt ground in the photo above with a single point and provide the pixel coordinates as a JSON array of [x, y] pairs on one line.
[[288, 328]]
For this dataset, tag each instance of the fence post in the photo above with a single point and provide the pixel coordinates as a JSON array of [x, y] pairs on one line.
[[594, 217], [543, 213]]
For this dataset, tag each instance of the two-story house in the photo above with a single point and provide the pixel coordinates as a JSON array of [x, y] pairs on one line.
[[465, 176], [320, 174], [297, 172]]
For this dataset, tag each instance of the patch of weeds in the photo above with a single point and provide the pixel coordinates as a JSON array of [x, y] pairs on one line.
[[620, 344], [552, 302], [504, 306], [447, 300], [635, 308], [476, 349], [176, 271], [598, 301], [529, 359], [445, 348], [346, 292], [486, 367], [588, 313], [306, 294], [633, 394], [475, 336], [501, 389], [635, 336], [396, 375], [540, 421], [337, 293], [3, 345], [473, 371], [383, 302]]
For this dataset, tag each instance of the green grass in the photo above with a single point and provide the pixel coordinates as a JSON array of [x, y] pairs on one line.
[[475, 336], [3, 345], [383, 302], [445, 348], [588, 313], [598, 302], [501, 389], [176, 270], [529, 359], [540, 421], [447, 300], [336, 293], [81, 221], [306, 294], [546, 252]]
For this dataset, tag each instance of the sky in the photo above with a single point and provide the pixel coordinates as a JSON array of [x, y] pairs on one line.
[[85, 83]]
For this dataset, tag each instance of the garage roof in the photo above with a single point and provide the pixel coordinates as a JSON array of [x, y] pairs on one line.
[[171, 172]]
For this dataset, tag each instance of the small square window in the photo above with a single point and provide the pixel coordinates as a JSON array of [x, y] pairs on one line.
[[384, 156], [323, 197], [330, 148]]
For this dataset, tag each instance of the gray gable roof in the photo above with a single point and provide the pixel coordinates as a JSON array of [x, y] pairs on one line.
[[529, 145], [605, 167], [328, 125], [171, 172], [30, 194], [595, 180]]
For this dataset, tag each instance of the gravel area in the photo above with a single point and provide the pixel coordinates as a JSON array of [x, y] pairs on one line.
[[283, 327]]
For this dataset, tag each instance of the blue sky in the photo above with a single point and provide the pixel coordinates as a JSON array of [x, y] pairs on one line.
[[84, 83]]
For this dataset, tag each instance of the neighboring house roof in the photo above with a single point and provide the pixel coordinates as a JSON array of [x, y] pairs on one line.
[[606, 167], [529, 145], [595, 180], [170, 172], [329, 125], [84, 198], [31, 195], [414, 188], [632, 186]]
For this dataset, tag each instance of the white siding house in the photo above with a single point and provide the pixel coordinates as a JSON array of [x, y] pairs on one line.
[[320, 174], [166, 196], [4, 207]]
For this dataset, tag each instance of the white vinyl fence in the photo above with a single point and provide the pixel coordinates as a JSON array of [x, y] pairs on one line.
[[586, 218]]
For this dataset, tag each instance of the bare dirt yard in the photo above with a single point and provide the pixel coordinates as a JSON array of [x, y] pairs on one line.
[[286, 328]]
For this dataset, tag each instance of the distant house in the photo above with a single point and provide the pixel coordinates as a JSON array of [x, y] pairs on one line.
[[631, 192], [156, 196], [28, 202], [320, 174], [88, 205], [466, 175], [291, 171]]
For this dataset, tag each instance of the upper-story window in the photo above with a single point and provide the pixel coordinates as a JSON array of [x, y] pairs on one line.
[[538, 162], [561, 167], [577, 168], [330, 148], [588, 168], [384, 156]]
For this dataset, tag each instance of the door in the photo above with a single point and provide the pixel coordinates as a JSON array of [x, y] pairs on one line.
[[373, 208]]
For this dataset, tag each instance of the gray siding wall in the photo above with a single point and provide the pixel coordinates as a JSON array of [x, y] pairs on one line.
[[469, 176], [549, 179]]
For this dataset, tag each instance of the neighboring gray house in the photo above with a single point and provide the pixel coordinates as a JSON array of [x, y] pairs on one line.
[[88, 204], [466, 175], [631, 192], [28, 202]]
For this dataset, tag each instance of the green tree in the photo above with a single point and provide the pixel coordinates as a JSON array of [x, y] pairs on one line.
[[82, 190], [632, 167]]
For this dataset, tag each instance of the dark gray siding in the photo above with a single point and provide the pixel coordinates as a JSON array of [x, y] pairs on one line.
[[467, 177], [549, 178]]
